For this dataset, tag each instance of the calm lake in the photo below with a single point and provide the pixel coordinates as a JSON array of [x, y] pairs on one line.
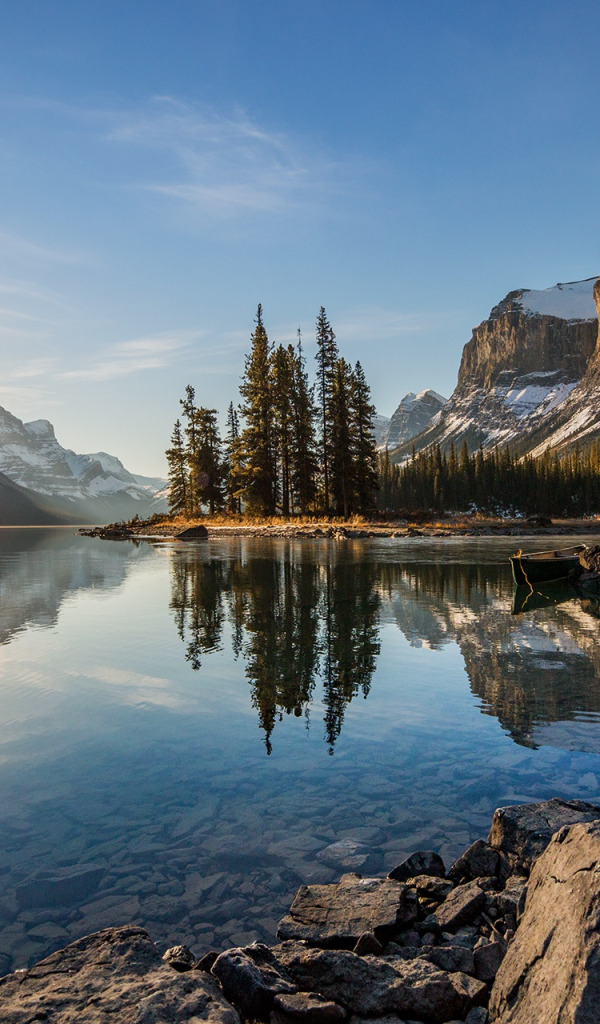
[[187, 731]]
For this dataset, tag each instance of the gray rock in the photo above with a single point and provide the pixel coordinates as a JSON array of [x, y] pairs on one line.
[[452, 958], [459, 907], [431, 887], [477, 1015], [251, 977], [424, 862], [180, 958], [337, 915], [480, 859], [511, 901], [206, 961], [309, 1007], [193, 533], [367, 943], [523, 831], [114, 974], [488, 959], [551, 971], [371, 987]]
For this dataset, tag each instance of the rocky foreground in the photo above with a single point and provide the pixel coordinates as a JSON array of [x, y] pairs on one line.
[[510, 933]]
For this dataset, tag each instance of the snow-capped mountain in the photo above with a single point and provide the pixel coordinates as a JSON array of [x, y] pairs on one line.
[[529, 376], [381, 426], [83, 488], [413, 415]]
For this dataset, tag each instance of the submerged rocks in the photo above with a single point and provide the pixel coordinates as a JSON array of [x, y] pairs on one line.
[[428, 948]]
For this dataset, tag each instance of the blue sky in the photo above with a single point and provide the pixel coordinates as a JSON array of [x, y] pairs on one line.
[[165, 166]]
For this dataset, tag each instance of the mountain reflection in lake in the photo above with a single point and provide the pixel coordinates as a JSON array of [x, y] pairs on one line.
[[398, 697]]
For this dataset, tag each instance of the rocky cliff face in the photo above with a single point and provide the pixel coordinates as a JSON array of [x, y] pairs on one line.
[[530, 373], [66, 485], [414, 414]]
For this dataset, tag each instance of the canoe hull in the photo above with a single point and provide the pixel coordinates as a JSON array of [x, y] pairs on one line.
[[544, 567]]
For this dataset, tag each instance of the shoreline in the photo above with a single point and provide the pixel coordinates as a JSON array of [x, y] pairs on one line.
[[425, 943], [458, 526]]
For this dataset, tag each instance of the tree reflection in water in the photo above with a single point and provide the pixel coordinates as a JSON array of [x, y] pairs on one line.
[[292, 620], [298, 618]]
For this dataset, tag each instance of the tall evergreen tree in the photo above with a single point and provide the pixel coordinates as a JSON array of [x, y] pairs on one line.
[[305, 465], [343, 440], [189, 411], [207, 472], [257, 439], [326, 356], [233, 462], [177, 462], [363, 414], [282, 368]]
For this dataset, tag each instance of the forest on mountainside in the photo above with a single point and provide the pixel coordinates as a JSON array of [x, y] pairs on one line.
[[497, 482]]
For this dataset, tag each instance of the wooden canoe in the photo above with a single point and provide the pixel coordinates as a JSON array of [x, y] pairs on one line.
[[544, 566]]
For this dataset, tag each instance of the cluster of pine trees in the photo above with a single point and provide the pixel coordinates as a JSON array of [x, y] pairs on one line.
[[290, 446], [497, 482]]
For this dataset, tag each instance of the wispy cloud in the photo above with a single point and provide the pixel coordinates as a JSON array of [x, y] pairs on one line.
[[221, 164], [128, 357], [15, 246]]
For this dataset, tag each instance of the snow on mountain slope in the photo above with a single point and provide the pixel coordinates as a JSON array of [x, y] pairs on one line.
[[90, 485], [529, 376], [571, 301], [413, 415]]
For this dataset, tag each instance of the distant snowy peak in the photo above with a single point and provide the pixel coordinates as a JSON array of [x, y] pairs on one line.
[[97, 485], [414, 414], [571, 301]]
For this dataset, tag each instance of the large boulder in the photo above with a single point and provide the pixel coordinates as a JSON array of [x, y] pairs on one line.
[[523, 831], [116, 974], [251, 977], [373, 987], [551, 972], [337, 915], [193, 533]]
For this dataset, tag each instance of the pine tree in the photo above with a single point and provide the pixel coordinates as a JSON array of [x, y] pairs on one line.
[[327, 354], [207, 471], [282, 364], [232, 462], [189, 411], [257, 441], [177, 462], [342, 481], [365, 467], [304, 456]]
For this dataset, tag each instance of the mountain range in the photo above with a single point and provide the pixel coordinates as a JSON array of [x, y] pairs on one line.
[[43, 483], [529, 377]]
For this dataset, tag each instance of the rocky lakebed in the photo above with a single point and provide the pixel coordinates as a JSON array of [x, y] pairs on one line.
[[509, 933]]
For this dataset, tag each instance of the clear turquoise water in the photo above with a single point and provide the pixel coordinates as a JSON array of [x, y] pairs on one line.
[[184, 731]]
